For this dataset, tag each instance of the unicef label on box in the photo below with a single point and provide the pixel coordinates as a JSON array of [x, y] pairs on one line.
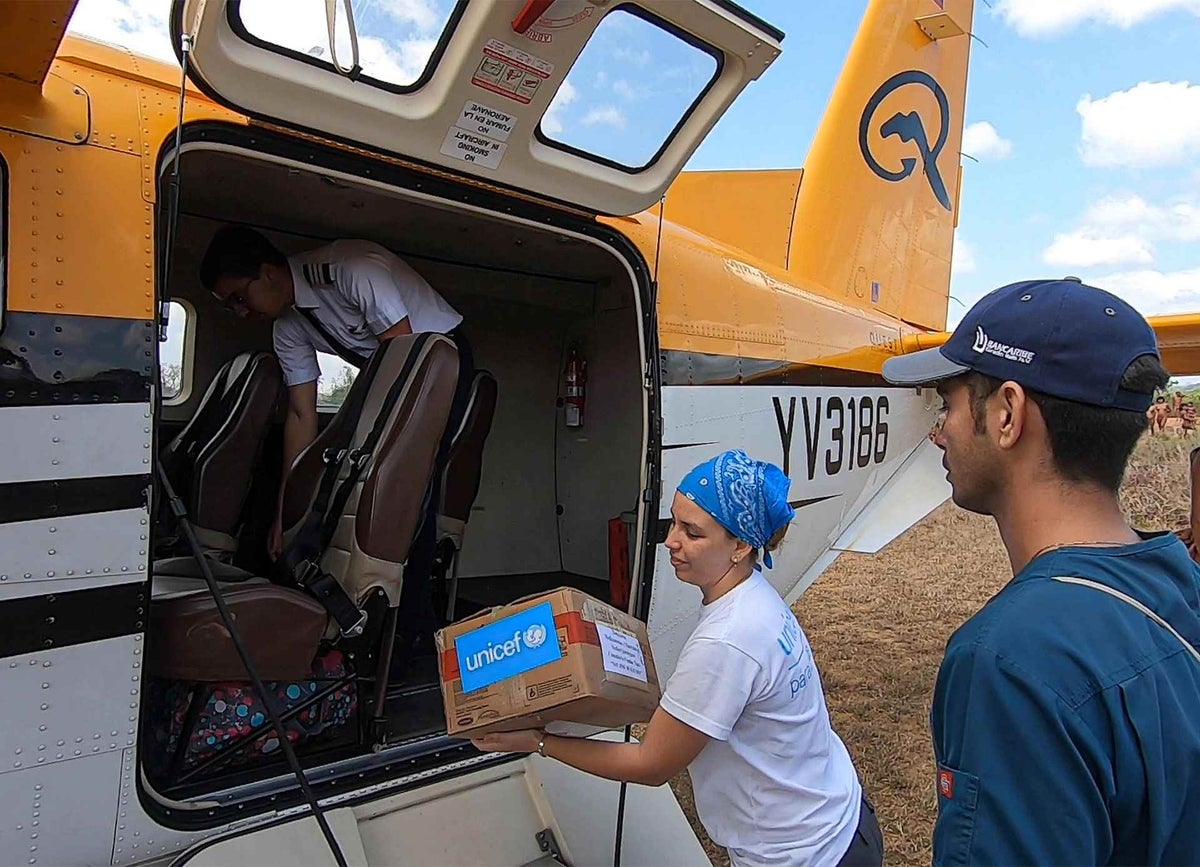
[[507, 647]]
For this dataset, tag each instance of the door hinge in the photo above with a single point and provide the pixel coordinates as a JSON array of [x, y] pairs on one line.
[[549, 845]]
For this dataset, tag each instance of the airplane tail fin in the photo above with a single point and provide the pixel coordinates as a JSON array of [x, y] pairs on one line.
[[878, 201]]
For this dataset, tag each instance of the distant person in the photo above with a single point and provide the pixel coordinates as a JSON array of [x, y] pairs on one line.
[[744, 711], [1190, 534], [1066, 715], [1177, 405], [1188, 417], [1158, 415]]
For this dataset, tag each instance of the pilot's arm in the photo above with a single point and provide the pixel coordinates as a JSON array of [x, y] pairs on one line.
[[298, 359]]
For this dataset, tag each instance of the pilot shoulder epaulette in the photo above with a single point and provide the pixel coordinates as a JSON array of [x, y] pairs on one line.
[[319, 273]]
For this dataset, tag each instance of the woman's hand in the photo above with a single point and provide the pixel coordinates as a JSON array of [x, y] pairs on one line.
[[525, 741]]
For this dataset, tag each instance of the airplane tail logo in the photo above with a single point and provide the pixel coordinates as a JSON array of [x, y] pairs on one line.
[[909, 127]]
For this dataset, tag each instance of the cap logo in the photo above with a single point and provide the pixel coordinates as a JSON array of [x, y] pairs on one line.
[[983, 344]]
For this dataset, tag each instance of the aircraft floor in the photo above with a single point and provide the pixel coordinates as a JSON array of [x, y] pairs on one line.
[[482, 592]]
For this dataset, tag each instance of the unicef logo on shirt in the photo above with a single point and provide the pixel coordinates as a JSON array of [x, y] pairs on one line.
[[535, 636]]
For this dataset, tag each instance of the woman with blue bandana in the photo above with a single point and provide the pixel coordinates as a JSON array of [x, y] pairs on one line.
[[743, 711]]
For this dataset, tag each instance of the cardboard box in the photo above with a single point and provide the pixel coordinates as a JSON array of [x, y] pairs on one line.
[[503, 670]]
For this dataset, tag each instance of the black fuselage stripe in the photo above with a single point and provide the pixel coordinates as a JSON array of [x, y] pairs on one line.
[[34, 624], [679, 367], [56, 359], [59, 498]]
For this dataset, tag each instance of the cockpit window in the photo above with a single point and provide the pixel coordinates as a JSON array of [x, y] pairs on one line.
[[632, 86], [396, 38]]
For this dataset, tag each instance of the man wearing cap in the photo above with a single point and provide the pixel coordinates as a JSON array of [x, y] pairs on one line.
[[1066, 715]]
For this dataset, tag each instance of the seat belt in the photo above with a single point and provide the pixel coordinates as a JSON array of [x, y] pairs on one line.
[[303, 555], [1129, 600], [347, 355]]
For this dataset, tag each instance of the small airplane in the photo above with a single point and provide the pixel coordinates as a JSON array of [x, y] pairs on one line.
[[713, 309]]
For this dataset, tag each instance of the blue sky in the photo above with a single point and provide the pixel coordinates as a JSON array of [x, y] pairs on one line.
[[1084, 116]]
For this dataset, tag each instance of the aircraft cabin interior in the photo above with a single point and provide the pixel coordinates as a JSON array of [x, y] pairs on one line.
[[525, 504]]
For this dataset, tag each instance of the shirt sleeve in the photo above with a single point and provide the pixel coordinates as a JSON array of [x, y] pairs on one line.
[[296, 353], [371, 288], [711, 686], [1014, 774]]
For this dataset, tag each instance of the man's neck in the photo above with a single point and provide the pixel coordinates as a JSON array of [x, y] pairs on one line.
[[1056, 514]]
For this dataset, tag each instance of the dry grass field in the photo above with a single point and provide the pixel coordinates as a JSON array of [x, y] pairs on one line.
[[878, 625]]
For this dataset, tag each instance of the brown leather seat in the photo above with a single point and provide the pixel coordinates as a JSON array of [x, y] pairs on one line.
[[211, 462], [415, 376], [460, 482]]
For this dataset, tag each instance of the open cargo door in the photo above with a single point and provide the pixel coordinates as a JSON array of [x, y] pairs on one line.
[[524, 94]]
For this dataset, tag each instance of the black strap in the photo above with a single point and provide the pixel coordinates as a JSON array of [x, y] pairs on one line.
[[332, 596], [345, 353], [304, 553]]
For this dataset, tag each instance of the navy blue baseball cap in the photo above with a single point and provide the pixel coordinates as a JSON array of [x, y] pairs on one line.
[[1058, 337]]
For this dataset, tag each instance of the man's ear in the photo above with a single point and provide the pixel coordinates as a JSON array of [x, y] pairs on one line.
[[1010, 409]]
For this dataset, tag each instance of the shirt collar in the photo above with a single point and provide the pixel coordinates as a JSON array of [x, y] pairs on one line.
[[305, 295]]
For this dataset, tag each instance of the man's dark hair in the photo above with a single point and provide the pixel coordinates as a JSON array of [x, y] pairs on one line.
[[237, 251], [1088, 443]]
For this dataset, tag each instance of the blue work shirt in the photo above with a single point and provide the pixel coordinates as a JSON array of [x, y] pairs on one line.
[[1066, 723]]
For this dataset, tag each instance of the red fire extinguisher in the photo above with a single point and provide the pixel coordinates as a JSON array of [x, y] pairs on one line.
[[576, 376]]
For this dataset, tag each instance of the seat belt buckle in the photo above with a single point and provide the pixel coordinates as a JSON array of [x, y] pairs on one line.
[[358, 459], [306, 572], [333, 456], [357, 629]]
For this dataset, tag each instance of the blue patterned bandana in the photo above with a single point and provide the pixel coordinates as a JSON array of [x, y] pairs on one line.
[[748, 498]]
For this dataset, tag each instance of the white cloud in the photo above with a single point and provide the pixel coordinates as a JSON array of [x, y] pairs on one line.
[[981, 141], [631, 55], [1151, 124], [1177, 221], [552, 122], [608, 115], [1123, 229], [963, 260], [1085, 249], [624, 89], [1155, 292], [402, 64], [1050, 17], [419, 13], [139, 25]]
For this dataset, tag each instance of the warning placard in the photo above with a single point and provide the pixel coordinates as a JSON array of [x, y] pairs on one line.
[[510, 71], [517, 57], [473, 148], [485, 120]]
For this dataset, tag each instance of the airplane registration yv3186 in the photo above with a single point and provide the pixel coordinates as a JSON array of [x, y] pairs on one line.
[[133, 731]]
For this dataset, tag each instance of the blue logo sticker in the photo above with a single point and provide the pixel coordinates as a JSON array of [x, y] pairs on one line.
[[507, 647]]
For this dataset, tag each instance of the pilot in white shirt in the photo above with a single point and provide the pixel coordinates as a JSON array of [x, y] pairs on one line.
[[342, 298]]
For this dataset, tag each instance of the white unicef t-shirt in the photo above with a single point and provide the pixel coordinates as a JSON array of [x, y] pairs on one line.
[[775, 785]]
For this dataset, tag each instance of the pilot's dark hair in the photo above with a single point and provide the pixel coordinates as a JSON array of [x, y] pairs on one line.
[[237, 251], [1088, 443]]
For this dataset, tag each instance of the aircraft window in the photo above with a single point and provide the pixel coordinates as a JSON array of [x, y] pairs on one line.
[[172, 355], [336, 378], [396, 39], [631, 87]]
